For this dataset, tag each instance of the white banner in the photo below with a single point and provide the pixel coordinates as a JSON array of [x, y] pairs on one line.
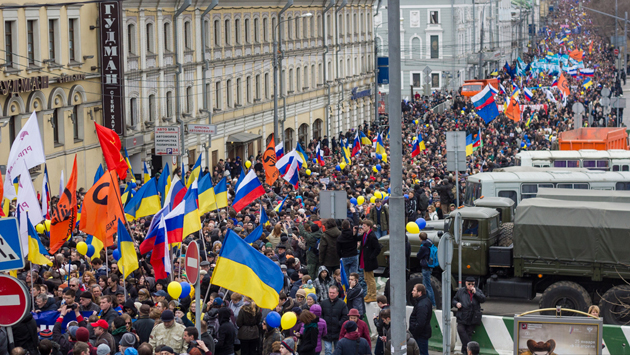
[[27, 203]]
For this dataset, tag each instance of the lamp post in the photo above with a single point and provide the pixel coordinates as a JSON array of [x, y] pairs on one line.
[[275, 78]]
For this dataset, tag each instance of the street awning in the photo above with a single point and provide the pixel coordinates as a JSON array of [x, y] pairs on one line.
[[242, 138]]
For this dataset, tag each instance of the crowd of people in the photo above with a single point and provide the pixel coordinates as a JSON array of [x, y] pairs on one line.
[[101, 313]]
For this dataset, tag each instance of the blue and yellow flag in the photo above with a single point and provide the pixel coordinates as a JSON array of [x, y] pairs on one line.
[[421, 144], [345, 284], [469, 145], [207, 199], [241, 268], [128, 194], [164, 182], [345, 152], [36, 250], [220, 194], [146, 174], [281, 205], [302, 155], [128, 261], [257, 232], [380, 147], [364, 139], [194, 174], [133, 177], [99, 174], [145, 202]]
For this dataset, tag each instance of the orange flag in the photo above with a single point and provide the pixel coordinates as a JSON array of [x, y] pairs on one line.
[[513, 110], [577, 55], [64, 214], [102, 208], [563, 85], [269, 163], [110, 144], [590, 48]]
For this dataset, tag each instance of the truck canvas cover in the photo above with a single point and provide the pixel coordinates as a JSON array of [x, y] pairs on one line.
[[572, 231], [618, 196]]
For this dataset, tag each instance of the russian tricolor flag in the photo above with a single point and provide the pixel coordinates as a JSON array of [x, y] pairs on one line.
[[485, 105], [293, 176], [184, 219], [356, 147], [319, 156], [587, 72], [176, 193], [280, 150], [249, 190], [528, 94], [415, 150]]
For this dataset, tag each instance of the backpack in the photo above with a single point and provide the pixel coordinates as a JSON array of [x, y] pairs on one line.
[[433, 257]]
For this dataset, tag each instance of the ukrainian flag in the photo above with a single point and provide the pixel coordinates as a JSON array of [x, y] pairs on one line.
[[240, 268], [128, 261], [207, 198], [469, 145], [146, 176], [133, 178], [127, 194], [257, 233], [281, 205], [194, 174], [164, 182], [364, 139], [145, 202], [302, 155], [36, 250], [220, 194], [345, 285], [380, 147], [96, 243], [346, 155], [587, 83], [421, 144]]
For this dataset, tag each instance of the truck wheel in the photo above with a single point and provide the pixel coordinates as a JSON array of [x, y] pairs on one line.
[[566, 294], [615, 305], [505, 238], [435, 284]]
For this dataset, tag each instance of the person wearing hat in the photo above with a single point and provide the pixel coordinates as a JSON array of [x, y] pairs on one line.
[[144, 325], [159, 295], [226, 335], [287, 346], [379, 215], [205, 279], [101, 331], [352, 343], [166, 350], [168, 333], [86, 302], [102, 349], [362, 327], [128, 340], [468, 300]]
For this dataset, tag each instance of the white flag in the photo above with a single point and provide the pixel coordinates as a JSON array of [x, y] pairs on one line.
[[27, 203], [27, 151], [62, 185]]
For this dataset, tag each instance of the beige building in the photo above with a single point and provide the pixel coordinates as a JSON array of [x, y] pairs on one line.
[[49, 64], [327, 52]]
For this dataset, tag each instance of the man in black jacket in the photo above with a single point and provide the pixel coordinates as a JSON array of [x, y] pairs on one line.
[[468, 301], [420, 319], [370, 248], [335, 313], [144, 324], [226, 335]]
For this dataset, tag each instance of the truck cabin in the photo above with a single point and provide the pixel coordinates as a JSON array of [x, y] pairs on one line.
[[505, 206], [471, 89]]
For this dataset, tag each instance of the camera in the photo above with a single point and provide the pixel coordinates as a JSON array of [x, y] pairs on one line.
[[73, 307]]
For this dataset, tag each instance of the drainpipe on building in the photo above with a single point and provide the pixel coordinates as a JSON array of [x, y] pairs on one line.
[[324, 65], [206, 65], [178, 71], [339, 83], [284, 98]]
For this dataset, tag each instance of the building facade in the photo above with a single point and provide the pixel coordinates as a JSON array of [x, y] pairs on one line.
[[49, 64], [226, 74]]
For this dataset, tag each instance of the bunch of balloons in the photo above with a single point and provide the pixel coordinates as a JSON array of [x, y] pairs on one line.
[[180, 290], [84, 249], [417, 226]]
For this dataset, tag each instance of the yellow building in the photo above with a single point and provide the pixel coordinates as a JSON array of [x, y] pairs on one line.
[[49, 64]]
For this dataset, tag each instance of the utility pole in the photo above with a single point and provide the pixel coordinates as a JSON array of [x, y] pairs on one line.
[[474, 39], [206, 66], [397, 208], [178, 72], [481, 76], [277, 66], [377, 117]]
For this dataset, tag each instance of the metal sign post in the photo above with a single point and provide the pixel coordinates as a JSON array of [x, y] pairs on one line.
[[456, 148], [333, 204], [445, 257]]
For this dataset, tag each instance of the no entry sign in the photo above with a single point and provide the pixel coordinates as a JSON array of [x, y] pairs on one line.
[[192, 262], [14, 301]]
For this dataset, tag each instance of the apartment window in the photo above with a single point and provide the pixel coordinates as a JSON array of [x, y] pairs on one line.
[[355, 23], [319, 27], [152, 108], [239, 99], [312, 26], [348, 25], [56, 128], [313, 76], [435, 47], [189, 100], [305, 77], [52, 37], [73, 38], [330, 72], [217, 95], [75, 126], [150, 40], [133, 110], [267, 85], [167, 36], [206, 29], [356, 66], [217, 33], [290, 27], [228, 33], [228, 90], [297, 27], [290, 81], [362, 24], [246, 25], [349, 72], [298, 78], [248, 89], [237, 31], [416, 81], [265, 30], [274, 23], [434, 17], [435, 80], [256, 31], [30, 41], [13, 131], [169, 104], [321, 73], [329, 24], [131, 39], [257, 92], [187, 36]]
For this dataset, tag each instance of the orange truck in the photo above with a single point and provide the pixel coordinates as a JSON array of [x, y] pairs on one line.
[[604, 138], [473, 87]]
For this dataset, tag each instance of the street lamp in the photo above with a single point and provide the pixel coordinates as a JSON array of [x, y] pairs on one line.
[[275, 77]]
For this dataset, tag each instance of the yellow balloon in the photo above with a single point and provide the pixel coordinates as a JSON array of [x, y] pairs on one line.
[[308, 172], [342, 166], [248, 164], [47, 224], [378, 194], [40, 228], [288, 320], [82, 248], [174, 290], [412, 227], [384, 157], [360, 200], [374, 169], [372, 199]]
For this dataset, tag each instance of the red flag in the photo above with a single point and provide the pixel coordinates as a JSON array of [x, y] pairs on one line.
[[110, 144], [64, 214]]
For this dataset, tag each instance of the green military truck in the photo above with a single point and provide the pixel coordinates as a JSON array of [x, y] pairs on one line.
[[575, 253]]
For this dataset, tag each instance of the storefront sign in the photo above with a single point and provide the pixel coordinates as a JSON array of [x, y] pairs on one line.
[[112, 66], [16, 86], [359, 94], [167, 140]]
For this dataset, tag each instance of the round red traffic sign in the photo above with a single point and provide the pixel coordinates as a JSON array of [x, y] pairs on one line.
[[616, 51], [192, 262], [15, 301]]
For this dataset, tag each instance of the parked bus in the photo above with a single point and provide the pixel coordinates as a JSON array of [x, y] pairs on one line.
[[519, 185], [605, 160]]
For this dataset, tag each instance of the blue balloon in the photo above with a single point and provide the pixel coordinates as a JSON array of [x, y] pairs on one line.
[[273, 319], [185, 290], [386, 198], [406, 196], [421, 223], [378, 156], [389, 190], [378, 167], [132, 185], [353, 201], [314, 161], [116, 254], [338, 167], [90, 251]]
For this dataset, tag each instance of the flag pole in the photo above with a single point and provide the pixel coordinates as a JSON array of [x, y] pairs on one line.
[[124, 283]]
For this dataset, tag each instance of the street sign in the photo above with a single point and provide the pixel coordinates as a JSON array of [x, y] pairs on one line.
[[605, 92], [455, 142], [333, 204], [167, 140], [15, 301], [11, 256], [427, 74], [192, 262], [616, 51], [445, 250], [202, 129]]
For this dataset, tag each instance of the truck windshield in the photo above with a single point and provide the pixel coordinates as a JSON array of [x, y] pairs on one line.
[[473, 192], [471, 87]]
